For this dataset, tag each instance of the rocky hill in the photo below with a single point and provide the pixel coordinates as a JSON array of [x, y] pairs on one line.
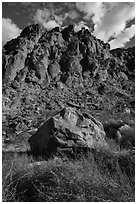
[[45, 71]]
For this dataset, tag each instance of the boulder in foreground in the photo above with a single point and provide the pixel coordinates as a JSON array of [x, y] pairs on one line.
[[68, 130]]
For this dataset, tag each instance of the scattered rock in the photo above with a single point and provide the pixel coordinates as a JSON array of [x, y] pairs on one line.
[[73, 105], [59, 85], [54, 69], [101, 89], [121, 92], [123, 75], [131, 102]]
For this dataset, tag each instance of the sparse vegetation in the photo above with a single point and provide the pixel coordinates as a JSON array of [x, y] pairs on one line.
[[66, 91], [98, 177]]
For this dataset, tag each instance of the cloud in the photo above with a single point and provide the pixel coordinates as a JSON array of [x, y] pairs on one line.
[[80, 25], [114, 20], [50, 24], [93, 10], [47, 19], [109, 19], [73, 14], [9, 30], [123, 38]]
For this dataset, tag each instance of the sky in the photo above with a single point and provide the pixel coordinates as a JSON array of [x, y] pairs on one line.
[[112, 22]]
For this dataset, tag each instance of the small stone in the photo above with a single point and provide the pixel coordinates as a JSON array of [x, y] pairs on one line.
[[59, 85]]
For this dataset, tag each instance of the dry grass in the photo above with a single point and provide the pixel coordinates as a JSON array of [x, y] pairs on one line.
[[98, 177]]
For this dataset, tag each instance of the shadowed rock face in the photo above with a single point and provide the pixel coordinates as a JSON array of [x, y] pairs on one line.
[[29, 57], [125, 60], [68, 129], [38, 56]]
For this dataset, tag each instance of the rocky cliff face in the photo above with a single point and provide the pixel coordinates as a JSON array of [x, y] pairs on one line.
[[41, 56], [125, 60], [44, 70]]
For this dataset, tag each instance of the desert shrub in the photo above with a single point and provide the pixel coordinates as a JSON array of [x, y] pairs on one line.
[[96, 177]]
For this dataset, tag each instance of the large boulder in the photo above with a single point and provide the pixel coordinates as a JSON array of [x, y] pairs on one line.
[[68, 129]]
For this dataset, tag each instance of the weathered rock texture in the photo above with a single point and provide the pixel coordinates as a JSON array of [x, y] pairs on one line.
[[39, 56], [68, 129], [44, 71]]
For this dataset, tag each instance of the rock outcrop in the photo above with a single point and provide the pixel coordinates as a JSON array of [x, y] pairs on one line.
[[44, 71], [68, 129], [37, 54], [43, 57], [123, 60]]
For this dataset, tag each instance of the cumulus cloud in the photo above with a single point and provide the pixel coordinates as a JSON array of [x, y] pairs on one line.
[[109, 18], [73, 14], [123, 38], [114, 21], [80, 25], [47, 19], [9, 30], [96, 10]]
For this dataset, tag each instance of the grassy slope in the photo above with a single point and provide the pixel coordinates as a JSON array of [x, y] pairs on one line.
[[98, 177]]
